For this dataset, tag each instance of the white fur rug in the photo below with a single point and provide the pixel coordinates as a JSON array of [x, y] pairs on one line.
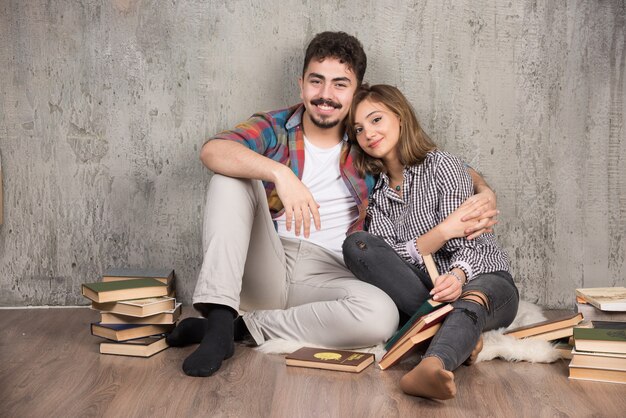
[[495, 344]]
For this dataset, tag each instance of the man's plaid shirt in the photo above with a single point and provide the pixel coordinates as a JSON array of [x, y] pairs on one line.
[[278, 135]]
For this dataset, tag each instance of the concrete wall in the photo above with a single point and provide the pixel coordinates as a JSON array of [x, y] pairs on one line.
[[105, 104]]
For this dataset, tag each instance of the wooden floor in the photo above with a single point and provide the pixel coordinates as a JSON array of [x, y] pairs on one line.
[[50, 367]]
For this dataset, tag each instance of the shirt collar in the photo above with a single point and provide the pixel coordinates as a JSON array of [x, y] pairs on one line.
[[296, 119]]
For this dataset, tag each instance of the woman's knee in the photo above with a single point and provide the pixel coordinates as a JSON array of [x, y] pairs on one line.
[[355, 243]]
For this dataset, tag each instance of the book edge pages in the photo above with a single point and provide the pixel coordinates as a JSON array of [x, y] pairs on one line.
[[144, 351], [585, 374]]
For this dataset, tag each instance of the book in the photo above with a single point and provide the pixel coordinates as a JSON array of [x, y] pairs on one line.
[[123, 290], [598, 375], [123, 332], [120, 273], [142, 347], [421, 328], [328, 359], [598, 367], [565, 321], [393, 356], [553, 335], [605, 340], [137, 307], [599, 360], [604, 298], [418, 327], [608, 324], [168, 317], [590, 312], [426, 308]]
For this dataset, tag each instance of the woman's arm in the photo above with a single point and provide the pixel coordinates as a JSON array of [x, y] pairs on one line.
[[454, 186], [454, 225]]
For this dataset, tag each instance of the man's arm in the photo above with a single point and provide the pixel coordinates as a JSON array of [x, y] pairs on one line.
[[484, 201], [235, 160], [481, 186], [232, 159]]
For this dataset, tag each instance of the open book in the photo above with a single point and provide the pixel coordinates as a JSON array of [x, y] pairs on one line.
[[422, 325]]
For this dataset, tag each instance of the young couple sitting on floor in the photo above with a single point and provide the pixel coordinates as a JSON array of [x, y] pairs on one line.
[[274, 232]]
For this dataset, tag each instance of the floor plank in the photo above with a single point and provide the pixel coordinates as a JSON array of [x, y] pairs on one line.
[[50, 366]]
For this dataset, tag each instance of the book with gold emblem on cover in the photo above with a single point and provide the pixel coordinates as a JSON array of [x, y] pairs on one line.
[[329, 359]]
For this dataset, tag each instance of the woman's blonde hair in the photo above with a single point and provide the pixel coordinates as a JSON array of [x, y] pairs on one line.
[[413, 144]]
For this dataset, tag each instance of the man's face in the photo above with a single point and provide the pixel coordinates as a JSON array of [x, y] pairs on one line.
[[326, 89]]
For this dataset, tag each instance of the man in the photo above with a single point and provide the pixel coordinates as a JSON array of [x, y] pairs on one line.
[[273, 248]]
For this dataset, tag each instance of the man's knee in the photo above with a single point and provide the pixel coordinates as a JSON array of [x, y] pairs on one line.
[[219, 181], [381, 320]]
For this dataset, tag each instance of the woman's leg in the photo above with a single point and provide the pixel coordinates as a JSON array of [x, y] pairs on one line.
[[373, 261], [487, 302]]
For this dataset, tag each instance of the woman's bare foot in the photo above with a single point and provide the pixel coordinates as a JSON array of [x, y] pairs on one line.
[[429, 380], [474, 355]]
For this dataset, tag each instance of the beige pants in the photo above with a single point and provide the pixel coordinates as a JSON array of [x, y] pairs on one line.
[[289, 289]]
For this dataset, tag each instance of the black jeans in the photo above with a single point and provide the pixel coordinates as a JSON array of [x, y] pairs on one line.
[[373, 261]]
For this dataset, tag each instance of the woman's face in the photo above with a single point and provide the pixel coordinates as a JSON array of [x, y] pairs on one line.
[[377, 129]]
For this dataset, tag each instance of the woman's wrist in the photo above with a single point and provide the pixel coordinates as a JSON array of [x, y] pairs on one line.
[[430, 242], [459, 275]]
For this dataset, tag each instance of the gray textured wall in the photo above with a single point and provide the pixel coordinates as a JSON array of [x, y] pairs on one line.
[[104, 105]]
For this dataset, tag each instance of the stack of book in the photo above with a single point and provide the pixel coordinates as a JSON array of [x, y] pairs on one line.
[[137, 307], [600, 349]]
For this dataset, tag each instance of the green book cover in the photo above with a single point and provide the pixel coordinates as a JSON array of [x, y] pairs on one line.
[[99, 287], [426, 308], [601, 334]]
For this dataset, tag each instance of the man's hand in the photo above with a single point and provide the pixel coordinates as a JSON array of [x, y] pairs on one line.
[[467, 217], [448, 287], [480, 212], [298, 202]]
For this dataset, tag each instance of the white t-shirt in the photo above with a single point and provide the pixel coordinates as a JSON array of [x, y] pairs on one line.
[[337, 209]]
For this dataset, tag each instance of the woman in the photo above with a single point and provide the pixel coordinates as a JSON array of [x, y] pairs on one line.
[[415, 209]]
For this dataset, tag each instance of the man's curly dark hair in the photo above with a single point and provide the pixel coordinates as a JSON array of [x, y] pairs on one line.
[[339, 45]]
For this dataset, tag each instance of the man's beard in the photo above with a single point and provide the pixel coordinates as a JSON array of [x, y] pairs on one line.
[[321, 123], [324, 124]]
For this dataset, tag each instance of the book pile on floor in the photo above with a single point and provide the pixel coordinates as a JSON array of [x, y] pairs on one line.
[[137, 307], [600, 348]]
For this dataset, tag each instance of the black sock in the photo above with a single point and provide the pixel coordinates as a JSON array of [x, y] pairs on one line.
[[188, 331], [241, 331], [216, 345]]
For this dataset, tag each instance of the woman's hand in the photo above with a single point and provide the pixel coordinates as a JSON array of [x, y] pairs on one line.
[[448, 287], [473, 218]]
